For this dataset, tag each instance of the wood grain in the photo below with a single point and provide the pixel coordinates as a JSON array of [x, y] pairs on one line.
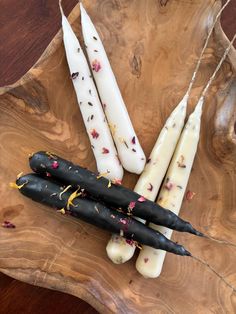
[[56, 252]]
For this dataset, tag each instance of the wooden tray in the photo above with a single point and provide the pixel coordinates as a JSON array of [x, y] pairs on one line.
[[153, 47]]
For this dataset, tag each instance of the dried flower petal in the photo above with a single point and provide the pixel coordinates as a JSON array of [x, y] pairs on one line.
[[72, 197], [150, 188], [13, 185], [123, 221], [94, 133], [74, 75], [181, 162], [96, 65], [190, 195], [146, 259], [62, 211], [104, 174], [126, 144], [64, 190], [131, 205], [117, 181], [169, 186], [133, 140], [55, 164], [105, 150], [50, 155], [112, 128], [142, 199], [130, 242], [8, 225]]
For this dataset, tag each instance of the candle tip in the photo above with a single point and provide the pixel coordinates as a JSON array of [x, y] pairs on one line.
[[82, 10]]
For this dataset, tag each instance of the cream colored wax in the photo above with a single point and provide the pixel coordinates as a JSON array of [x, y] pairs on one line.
[[118, 250], [150, 261], [129, 149], [91, 109]]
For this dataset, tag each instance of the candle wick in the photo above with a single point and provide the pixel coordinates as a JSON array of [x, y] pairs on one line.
[[60, 6]]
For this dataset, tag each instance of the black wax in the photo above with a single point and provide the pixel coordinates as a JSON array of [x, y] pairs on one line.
[[48, 192], [116, 196]]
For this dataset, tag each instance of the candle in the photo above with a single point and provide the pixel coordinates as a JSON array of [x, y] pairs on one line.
[[118, 249], [91, 109], [158, 162], [150, 262], [129, 150]]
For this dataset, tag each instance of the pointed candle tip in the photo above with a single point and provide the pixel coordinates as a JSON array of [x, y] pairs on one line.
[[198, 108], [82, 10]]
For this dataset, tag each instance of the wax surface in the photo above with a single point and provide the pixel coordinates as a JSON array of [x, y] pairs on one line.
[[150, 262], [77, 204], [150, 180], [129, 150], [91, 109]]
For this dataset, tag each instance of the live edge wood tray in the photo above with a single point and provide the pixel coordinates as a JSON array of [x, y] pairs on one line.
[[153, 47]]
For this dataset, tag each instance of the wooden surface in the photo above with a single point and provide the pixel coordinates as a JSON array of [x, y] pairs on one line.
[[64, 257]]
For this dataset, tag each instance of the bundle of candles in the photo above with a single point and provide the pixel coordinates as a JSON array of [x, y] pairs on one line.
[[100, 199]]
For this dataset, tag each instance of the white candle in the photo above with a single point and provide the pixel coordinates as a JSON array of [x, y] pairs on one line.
[[129, 150], [91, 109], [155, 170], [118, 250], [150, 261]]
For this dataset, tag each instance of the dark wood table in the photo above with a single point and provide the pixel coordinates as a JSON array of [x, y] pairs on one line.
[[26, 28]]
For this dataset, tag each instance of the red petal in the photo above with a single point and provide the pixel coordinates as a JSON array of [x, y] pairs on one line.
[[150, 188], [190, 195], [142, 199], [105, 150], [94, 134], [55, 165], [132, 205]]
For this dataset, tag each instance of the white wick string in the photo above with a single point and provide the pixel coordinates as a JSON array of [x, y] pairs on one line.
[[204, 47], [221, 277], [218, 67]]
